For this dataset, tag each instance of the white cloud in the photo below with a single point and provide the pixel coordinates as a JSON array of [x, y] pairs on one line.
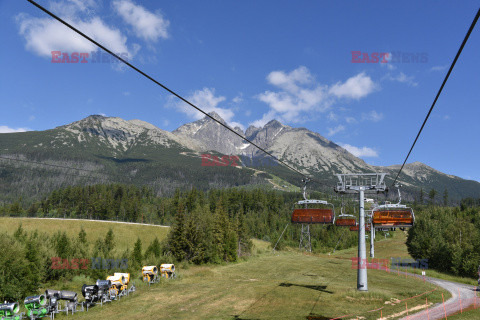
[[388, 64], [206, 100], [126, 93], [6, 129], [372, 116], [355, 87], [332, 116], [301, 98], [238, 99], [234, 124], [360, 152], [270, 115], [337, 129], [31, 118], [147, 25], [70, 8], [403, 78], [44, 35], [446, 117], [350, 120], [438, 68]]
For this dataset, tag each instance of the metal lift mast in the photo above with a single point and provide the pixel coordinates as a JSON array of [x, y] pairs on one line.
[[361, 183]]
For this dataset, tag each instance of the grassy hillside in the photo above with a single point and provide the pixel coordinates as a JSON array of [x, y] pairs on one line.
[[286, 285], [125, 234]]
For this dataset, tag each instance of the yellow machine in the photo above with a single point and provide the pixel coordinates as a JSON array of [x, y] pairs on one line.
[[126, 276], [167, 270], [118, 283], [150, 274]]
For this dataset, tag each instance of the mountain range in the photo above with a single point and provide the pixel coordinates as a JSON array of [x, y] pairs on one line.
[[110, 149]]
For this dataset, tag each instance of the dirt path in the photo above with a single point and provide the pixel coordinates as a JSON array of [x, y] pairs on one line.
[[463, 295]]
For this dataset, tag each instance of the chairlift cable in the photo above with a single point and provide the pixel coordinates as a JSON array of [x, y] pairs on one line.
[[439, 91], [163, 86]]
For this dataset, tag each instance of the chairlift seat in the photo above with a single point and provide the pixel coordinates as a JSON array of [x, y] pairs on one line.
[[313, 216], [393, 217], [345, 222]]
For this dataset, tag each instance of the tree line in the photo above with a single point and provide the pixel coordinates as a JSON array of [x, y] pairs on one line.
[[248, 212], [449, 237]]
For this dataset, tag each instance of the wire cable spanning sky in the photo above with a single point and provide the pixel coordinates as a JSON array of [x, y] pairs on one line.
[[165, 87], [251, 66], [474, 22]]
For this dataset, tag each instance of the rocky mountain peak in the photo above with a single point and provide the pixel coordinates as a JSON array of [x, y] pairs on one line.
[[214, 115], [273, 124], [251, 131]]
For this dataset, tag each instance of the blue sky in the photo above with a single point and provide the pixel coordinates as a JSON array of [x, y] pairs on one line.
[[252, 61]]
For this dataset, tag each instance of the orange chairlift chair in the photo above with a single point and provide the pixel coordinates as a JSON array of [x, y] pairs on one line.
[[309, 211], [345, 220], [393, 215]]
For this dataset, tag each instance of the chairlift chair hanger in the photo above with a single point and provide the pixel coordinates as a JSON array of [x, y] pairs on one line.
[[309, 215], [393, 215], [345, 220]]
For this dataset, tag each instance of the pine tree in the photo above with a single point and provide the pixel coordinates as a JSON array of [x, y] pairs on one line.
[[421, 196], [33, 279], [109, 243], [62, 245], [431, 195], [154, 248], [137, 256], [244, 242], [82, 243], [176, 239], [82, 236], [20, 234], [445, 197]]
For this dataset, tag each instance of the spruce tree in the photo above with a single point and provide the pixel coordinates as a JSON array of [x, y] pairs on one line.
[[137, 256], [176, 238], [109, 243], [82, 236], [432, 195], [154, 248]]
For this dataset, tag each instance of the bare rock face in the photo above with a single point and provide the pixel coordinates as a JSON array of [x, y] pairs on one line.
[[211, 135]]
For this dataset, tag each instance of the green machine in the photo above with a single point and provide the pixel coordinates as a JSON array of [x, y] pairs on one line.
[[36, 306], [9, 311]]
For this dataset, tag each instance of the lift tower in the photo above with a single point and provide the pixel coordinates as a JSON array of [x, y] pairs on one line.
[[361, 183]]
